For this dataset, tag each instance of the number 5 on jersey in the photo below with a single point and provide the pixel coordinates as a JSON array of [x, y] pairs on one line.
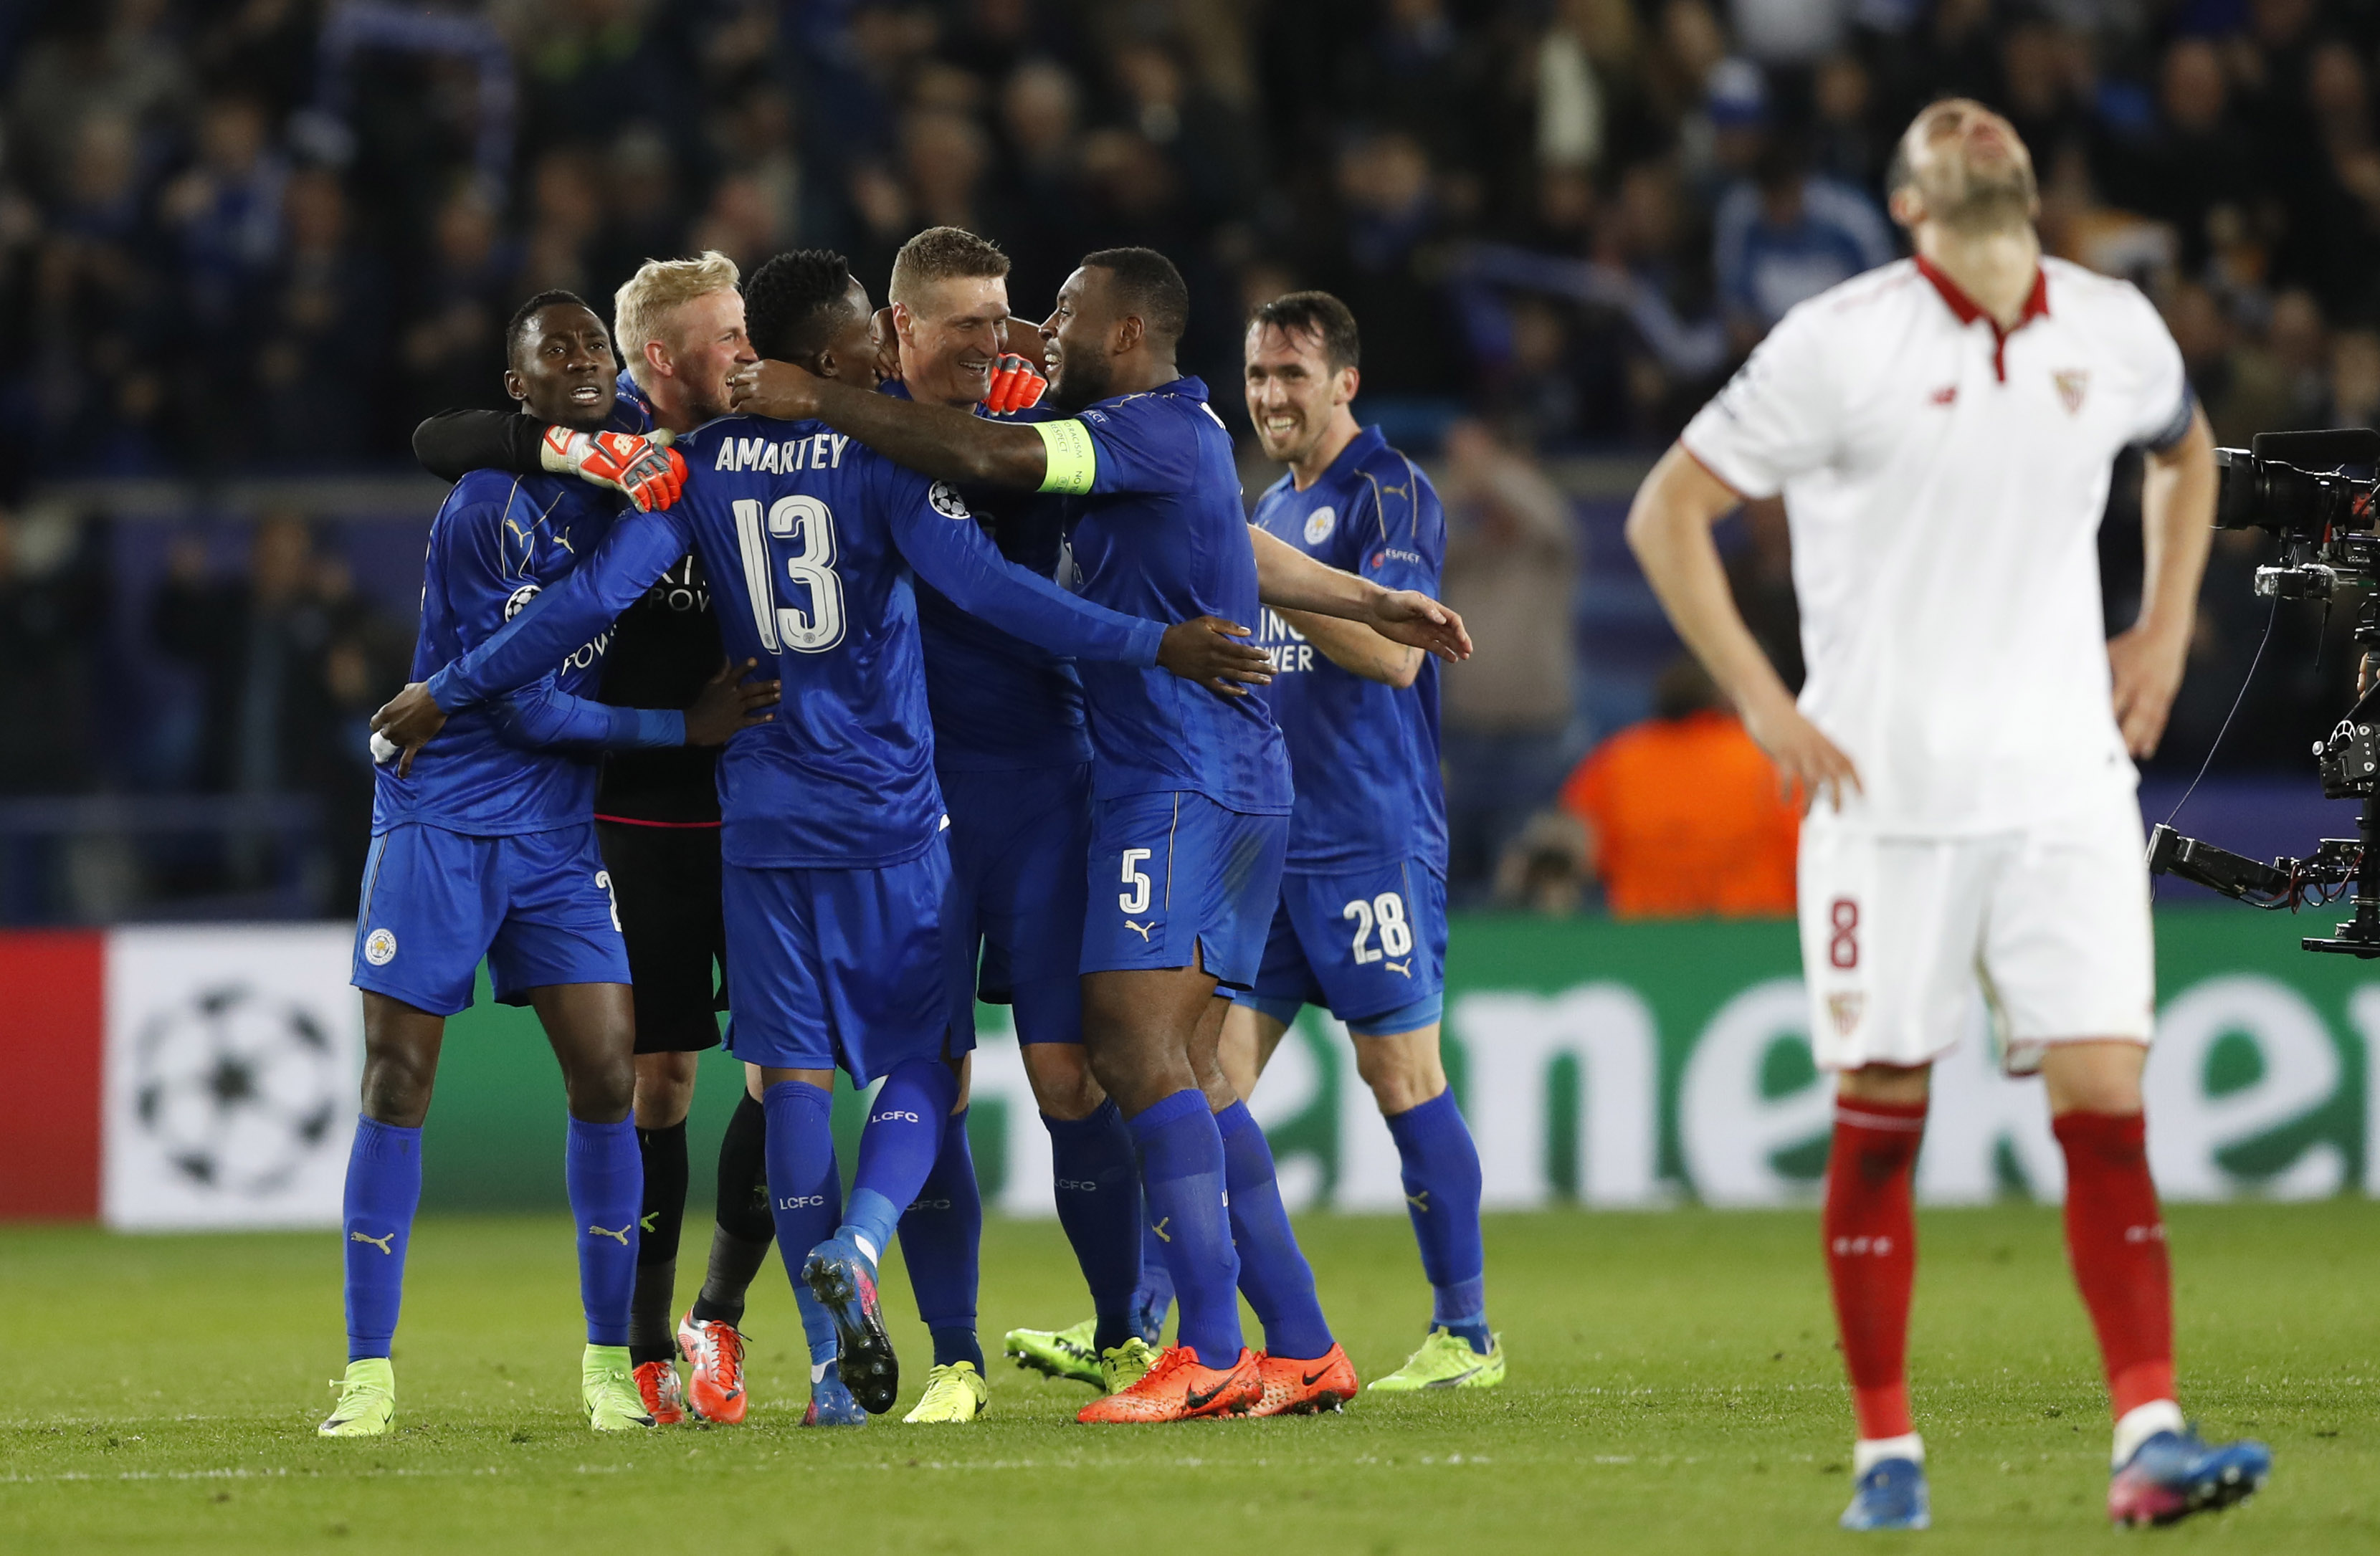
[[809, 526]]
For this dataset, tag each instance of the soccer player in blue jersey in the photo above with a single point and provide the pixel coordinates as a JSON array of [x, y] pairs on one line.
[[836, 864], [1192, 797], [489, 850], [1361, 929]]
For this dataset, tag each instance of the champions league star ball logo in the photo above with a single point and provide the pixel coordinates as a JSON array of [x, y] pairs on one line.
[[518, 599], [236, 1088], [944, 500]]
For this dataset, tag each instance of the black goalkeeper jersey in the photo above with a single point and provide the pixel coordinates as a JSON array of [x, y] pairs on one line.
[[666, 649]]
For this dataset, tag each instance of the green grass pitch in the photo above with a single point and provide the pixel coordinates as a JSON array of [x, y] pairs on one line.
[[1674, 1388]]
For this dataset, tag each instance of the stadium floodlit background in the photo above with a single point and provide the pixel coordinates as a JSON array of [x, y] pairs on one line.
[[245, 244]]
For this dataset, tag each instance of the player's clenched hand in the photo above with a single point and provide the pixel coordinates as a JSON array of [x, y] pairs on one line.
[[1206, 650], [2144, 666], [729, 703], [1807, 763], [778, 390], [407, 722], [886, 342], [1406, 615], [647, 469]]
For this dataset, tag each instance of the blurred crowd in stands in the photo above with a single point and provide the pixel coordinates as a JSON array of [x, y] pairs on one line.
[[244, 236]]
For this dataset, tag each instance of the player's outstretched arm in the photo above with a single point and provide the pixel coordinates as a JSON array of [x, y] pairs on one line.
[[548, 629], [956, 558], [453, 443], [2145, 661], [543, 716], [1669, 530], [1289, 579], [644, 468], [937, 440]]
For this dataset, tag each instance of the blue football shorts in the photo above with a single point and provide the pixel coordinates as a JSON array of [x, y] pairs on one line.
[[1018, 840], [1176, 879], [1369, 945], [829, 967], [538, 906]]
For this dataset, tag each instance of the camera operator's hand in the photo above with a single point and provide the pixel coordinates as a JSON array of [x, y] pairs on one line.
[[1807, 763], [2145, 664]]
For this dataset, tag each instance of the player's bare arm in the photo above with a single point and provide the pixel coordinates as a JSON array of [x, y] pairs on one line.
[[1358, 648], [2177, 529], [1289, 579], [937, 440], [1669, 530]]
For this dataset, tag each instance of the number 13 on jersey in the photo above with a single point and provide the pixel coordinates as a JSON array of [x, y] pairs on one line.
[[809, 525]]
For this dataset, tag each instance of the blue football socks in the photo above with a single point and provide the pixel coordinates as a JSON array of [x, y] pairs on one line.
[[1273, 1272], [606, 1180], [897, 1150], [804, 1194], [383, 1187], [1441, 1177], [1154, 1298], [1182, 1172], [1098, 1204], [942, 1238]]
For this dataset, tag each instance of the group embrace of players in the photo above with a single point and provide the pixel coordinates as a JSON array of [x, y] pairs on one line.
[[833, 543], [829, 542]]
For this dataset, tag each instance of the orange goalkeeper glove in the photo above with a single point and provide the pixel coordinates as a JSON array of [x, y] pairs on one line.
[[647, 469], [1015, 385]]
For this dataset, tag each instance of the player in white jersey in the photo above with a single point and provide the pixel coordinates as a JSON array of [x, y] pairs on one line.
[[1943, 431]]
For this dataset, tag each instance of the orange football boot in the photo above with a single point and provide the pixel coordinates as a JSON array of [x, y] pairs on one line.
[[714, 1353], [657, 1384], [1178, 1389], [1303, 1388]]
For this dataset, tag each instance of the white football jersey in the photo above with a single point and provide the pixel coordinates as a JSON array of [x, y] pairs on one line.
[[1944, 484]]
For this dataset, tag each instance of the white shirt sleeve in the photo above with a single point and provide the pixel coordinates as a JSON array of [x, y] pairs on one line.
[[1778, 417], [2161, 411]]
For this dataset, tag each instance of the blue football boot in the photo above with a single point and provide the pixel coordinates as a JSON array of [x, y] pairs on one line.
[[843, 1280], [1891, 1495], [831, 1403], [2174, 1475]]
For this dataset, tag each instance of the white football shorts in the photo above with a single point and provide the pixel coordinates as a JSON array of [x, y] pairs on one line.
[[2050, 924]]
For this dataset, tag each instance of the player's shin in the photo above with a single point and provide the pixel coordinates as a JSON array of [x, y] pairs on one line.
[[739, 1245], [1153, 1298], [383, 1187], [897, 1150], [1274, 1275], [1870, 1232], [1440, 1165], [1182, 1172], [941, 1237], [2115, 1237], [606, 1185], [805, 1197], [651, 1320], [1099, 1206]]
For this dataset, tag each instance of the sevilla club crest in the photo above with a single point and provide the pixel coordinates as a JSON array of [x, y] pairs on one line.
[[2071, 384]]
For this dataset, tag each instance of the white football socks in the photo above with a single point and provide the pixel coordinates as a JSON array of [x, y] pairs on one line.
[[1870, 1451], [2142, 1422]]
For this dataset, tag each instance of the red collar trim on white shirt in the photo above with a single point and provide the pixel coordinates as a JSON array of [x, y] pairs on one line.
[[1966, 310]]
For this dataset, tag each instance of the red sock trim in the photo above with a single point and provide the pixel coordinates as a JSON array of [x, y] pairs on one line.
[[1882, 1411], [2143, 1383]]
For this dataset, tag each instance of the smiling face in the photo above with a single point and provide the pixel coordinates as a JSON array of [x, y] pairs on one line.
[[1079, 337], [703, 340], [1967, 169], [1294, 395], [562, 368], [849, 354], [950, 337]]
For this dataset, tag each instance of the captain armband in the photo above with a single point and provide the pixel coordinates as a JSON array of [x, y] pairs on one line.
[[1074, 459]]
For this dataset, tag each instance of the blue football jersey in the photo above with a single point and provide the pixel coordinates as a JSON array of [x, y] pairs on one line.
[[1160, 533], [525, 762], [1365, 755], [1000, 703], [809, 539]]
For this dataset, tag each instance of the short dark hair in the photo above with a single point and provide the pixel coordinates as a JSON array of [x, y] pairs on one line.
[[790, 300], [1147, 284], [1319, 314], [943, 254], [516, 327]]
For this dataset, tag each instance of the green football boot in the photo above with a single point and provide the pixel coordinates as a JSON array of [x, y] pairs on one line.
[[367, 1405], [1445, 1361], [607, 1386], [1123, 1366], [1058, 1353], [954, 1393]]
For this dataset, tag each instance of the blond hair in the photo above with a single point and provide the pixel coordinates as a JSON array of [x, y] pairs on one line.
[[943, 254], [660, 287]]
